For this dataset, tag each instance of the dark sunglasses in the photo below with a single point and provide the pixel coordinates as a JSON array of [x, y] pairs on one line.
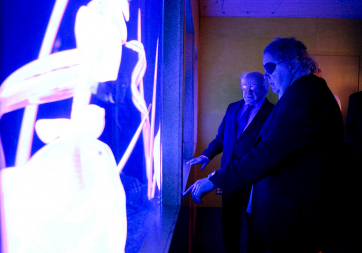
[[270, 66]]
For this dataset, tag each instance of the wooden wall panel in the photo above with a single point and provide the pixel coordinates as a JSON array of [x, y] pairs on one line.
[[341, 74]]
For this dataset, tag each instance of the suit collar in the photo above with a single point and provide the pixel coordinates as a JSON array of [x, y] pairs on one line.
[[256, 120]]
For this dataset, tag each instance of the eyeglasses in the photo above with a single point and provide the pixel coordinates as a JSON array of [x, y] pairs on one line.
[[270, 66]]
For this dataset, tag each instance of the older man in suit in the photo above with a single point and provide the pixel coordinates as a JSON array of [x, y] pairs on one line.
[[295, 164], [236, 136]]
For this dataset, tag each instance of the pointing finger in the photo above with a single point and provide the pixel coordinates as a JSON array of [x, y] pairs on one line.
[[188, 191]]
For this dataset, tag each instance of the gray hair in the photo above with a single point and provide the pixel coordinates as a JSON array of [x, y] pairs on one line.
[[289, 49]]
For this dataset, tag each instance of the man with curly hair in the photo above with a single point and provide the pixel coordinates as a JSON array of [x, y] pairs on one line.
[[294, 164]]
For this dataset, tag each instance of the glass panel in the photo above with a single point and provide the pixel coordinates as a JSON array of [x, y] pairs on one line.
[[90, 184]]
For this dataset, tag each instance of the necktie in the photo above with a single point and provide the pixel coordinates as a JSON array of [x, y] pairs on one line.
[[242, 122]]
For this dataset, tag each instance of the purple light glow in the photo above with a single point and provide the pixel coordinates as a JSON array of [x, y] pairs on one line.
[[70, 189]]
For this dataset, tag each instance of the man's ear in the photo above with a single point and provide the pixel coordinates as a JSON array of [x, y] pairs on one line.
[[293, 66]]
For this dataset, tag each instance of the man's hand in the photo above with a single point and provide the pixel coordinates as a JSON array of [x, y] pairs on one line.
[[200, 188], [201, 159]]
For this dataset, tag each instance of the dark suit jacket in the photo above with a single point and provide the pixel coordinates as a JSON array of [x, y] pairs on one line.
[[293, 167], [226, 140], [354, 162], [354, 126]]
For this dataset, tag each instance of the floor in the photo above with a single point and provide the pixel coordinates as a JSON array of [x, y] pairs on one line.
[[198, 230]]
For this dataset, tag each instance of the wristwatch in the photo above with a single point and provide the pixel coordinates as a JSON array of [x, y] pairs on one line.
[[212, 174]]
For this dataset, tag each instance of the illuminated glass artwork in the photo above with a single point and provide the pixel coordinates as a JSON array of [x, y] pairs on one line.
[[89, 179]]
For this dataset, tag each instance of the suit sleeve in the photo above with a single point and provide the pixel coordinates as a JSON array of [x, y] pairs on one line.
[[216, 146], [290, 131]]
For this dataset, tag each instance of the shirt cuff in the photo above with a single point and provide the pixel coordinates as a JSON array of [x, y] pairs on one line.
[[213, 179], [205, 157]]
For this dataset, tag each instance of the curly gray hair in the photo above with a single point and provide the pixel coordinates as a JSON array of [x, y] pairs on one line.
[[289, 49]]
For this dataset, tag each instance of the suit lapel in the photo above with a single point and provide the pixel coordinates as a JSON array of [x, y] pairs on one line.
[[256, 120], [233, 114], [267, 123]]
